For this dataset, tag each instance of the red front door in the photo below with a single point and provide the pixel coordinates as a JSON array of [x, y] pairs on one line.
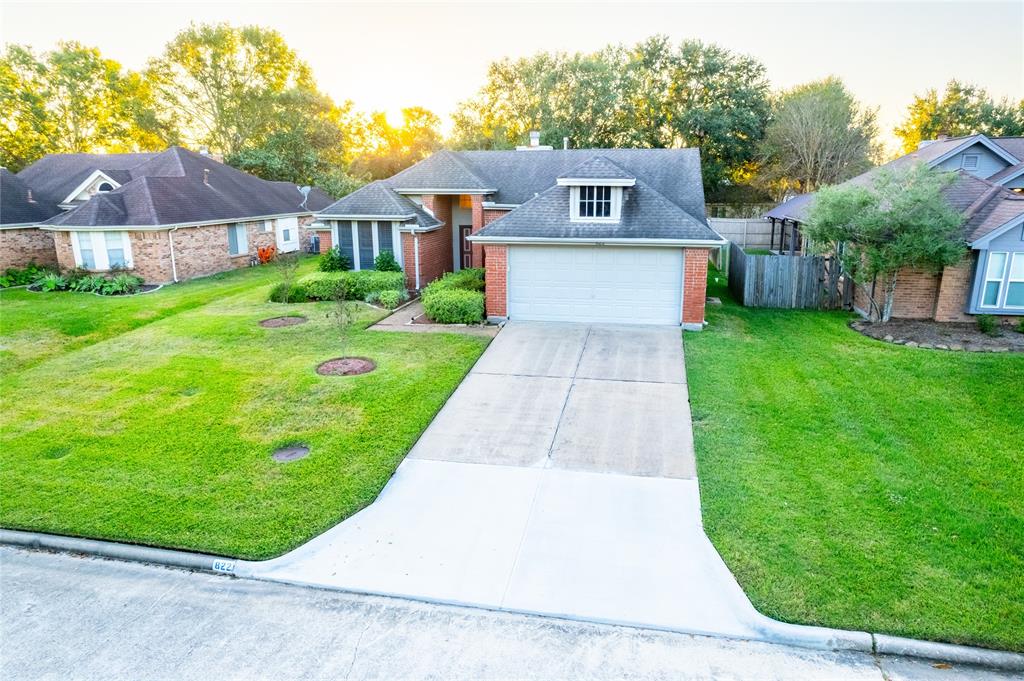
[[466, 248]]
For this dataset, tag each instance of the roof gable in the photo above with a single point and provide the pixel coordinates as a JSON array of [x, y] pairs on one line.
[[596, 168]]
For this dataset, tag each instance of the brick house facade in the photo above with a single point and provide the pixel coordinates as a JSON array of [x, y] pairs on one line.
[[21, 246]]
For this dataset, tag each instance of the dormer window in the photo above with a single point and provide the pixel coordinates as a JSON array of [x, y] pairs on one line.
[[970, 162], [595, 203]]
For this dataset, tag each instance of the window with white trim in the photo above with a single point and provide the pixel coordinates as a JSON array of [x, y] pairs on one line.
[[238, 242], [595, 202], [1015, 283], [101, 250], [969, 161], [268, 225], [995, 270]]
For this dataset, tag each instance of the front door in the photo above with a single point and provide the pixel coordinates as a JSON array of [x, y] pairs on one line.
[[465, 246], [287, 235]]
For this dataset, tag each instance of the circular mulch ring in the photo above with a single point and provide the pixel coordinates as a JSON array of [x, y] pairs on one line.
[[292, 453], [346, 366], [278, 322]]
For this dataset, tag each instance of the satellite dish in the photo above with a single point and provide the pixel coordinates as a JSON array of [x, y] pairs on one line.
[[305, 194]]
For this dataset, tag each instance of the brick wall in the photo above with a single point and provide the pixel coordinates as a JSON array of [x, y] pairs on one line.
[[19, 247], [695, 281], [496, 278], [916, 294], [954, 290], [436, 245], [409, 259], [62, 246], [151, 255], [326, 239]]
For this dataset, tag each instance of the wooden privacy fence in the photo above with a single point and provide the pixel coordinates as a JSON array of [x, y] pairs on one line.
[[788, 281]]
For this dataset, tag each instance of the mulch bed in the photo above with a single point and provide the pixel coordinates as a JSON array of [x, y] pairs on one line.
[[942, 335], [278, 322], [346, 366]]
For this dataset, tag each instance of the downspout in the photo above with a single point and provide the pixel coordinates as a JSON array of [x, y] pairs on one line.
[[416, 256], [174, 265]]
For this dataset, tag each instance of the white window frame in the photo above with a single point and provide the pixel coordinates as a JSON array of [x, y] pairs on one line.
[[396, 242], [1011, 280], [574, 204], [268, 225], [976, 158], [242, 241], [1001, 279], [101, 257]]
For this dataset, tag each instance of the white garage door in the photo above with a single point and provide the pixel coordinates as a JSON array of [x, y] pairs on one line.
[[595, 284]]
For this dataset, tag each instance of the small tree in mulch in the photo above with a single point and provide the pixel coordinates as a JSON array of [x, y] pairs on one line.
[[345, 314], [287, 265], [901, 220]]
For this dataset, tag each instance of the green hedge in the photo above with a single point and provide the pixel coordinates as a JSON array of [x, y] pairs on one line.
[[455, 306], [350, 285], [456, 298]]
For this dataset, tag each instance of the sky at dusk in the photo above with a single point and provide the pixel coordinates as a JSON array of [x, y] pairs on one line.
[[384, 56]]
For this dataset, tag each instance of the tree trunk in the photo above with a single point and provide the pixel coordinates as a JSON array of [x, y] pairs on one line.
[[890, 294]]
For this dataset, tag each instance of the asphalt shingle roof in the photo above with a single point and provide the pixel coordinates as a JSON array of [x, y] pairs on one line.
[[646, 214], [55, 176], [173, 187], [441, 170], [378, 199], [790, 209], [16, 208], [596, 168]]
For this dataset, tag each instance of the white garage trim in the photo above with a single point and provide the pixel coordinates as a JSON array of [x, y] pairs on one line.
[[612, 284]]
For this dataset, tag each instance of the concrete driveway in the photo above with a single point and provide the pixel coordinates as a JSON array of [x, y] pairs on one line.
[[558, 479]]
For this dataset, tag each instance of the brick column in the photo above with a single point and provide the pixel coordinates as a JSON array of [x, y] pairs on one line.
[[954, 289], [496, 279], [478, 224], [695, 281]]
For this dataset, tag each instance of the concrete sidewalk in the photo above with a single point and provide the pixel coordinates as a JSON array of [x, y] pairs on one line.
[[64, 617]]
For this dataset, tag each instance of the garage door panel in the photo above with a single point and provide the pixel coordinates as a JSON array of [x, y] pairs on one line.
[[595, 284]]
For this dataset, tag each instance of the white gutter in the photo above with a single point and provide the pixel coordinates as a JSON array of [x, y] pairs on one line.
[[174, 264], [499, 206], [66, 227], [331, 216], [600, 182], [436, 191], [652, 243]]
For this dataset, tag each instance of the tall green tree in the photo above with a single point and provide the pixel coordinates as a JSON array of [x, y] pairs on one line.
[[819, 135], [72, 99], [380, 149], [961, 109], [900, 220], [653, 94], [228, 87]]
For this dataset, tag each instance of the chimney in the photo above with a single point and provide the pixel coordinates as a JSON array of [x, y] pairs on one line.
[[535, 138], [29, 197], [942, 138], [535, 144], [206, 176], [565, 142]]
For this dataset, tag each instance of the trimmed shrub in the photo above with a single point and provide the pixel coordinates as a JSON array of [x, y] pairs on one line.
[[469, 280], [391, 299], [385, 262], [454, 306], [282, 293], [350, 285], [334, 261], [988, 325], [366, 282]]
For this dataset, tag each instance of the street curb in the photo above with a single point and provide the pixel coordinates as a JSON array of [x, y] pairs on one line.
[[772, 631]]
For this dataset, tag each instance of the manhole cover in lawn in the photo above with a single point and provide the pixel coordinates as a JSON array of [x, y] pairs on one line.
[[277, 322], [293, 453], [346, 366]]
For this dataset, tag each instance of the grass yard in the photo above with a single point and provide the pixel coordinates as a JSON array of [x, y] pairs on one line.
[[856, 484], [151, 419]]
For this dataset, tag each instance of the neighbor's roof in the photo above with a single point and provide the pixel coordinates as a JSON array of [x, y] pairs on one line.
[[377, 199], [55, 176], [646, 214], [790, 209], [169, 189], [20, 204]]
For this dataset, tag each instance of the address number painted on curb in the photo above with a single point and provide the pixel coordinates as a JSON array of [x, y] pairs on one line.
[[224, 566]]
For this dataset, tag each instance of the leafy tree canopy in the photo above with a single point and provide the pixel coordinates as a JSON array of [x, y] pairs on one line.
[[819, 135], [652, 94], [73, 100], [900, 220], [380, 149], [962, 109]]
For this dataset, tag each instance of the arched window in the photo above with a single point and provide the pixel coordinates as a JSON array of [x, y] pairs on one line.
[[105, 187]]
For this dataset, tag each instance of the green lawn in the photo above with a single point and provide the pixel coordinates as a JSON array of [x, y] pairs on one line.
[[856, 484], [151, 419]]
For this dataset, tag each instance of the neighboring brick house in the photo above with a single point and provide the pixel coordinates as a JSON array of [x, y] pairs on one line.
[[605, 235], [166, 216], [21, 241], [989, 191]]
